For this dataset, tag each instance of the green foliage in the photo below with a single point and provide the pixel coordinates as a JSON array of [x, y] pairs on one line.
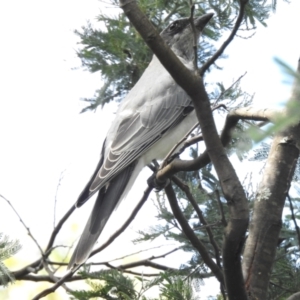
[[113, 284], [117, 51], [203, 190], [7, 249], [285, 279], [290, 115], [177, 288], [108, 284], [261, 154]]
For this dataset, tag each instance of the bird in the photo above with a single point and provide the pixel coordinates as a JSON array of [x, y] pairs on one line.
[[150, 120]]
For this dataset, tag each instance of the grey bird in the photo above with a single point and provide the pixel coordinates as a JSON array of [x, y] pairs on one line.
[[152, 118]]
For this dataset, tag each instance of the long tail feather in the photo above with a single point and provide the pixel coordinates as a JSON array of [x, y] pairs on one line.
[[105, 203]]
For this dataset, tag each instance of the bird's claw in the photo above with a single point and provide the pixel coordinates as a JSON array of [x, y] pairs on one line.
[[155, 184]]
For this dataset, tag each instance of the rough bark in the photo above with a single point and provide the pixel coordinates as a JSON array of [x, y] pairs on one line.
[[260, 249], [265, 225]]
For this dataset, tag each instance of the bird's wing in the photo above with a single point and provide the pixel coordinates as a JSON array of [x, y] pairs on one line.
[[141, 129]]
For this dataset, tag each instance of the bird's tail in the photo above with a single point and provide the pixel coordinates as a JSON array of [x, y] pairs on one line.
[[106, 201]]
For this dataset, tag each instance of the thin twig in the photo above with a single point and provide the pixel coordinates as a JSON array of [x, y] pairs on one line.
[[23, 223], [294, 219], [38, 278], [61, 176], [59, 226], [230, 87], [37, 265], [54, 287], [188, 231], [193, 202], [52, 276], [126, 224], [170, 156], [167, 159], [220, 51], [137, 252]]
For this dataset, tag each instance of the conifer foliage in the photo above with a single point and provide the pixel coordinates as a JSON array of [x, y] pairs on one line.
[[232, 231]]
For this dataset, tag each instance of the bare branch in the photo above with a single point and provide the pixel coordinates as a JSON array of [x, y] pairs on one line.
[[23, 223], [137, 252], [220, 51], [147, 263], [294, 219], [171, 155], [126, 224], [61, 176], [48, 278], [188, 231], [192, 200], [59, 226], [53, 288], [52, 276], [38, 264], [233, 117]]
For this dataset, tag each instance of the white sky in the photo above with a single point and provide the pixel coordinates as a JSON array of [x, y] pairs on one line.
[[43, 134]]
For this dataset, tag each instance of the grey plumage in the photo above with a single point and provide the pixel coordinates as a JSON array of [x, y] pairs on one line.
[[154, 116]]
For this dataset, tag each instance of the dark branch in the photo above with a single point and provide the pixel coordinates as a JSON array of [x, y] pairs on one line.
[[220, 51], [188, 231], [126, 224], [294, 219], [192, 200]]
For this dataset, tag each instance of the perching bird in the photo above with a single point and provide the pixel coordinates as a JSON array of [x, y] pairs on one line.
[[152, 118]]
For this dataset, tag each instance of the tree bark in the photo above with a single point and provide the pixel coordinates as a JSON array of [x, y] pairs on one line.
[[265, 226]]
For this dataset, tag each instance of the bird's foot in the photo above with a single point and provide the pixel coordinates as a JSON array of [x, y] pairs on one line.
[[157, 185]]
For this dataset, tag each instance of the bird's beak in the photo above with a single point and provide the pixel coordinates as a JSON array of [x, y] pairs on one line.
[[201, 22]]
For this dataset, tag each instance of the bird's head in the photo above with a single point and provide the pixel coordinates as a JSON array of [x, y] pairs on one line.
[[180, 37]]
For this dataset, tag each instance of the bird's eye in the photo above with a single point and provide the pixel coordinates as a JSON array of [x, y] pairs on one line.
[[173, 26]]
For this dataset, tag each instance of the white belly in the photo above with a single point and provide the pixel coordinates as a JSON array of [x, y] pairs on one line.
[[167, 142]]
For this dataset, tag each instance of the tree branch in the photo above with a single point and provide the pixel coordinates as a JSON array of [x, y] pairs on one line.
[[261, 244], [23, 223], [188, 231], [38, 278], [233, 117], [192, 200], [232, 188], [220, 51], [38, 264], [294, 219], [126, 224]]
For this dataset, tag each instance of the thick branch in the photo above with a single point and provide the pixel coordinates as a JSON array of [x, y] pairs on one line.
[[232, 188], [266, 223]]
